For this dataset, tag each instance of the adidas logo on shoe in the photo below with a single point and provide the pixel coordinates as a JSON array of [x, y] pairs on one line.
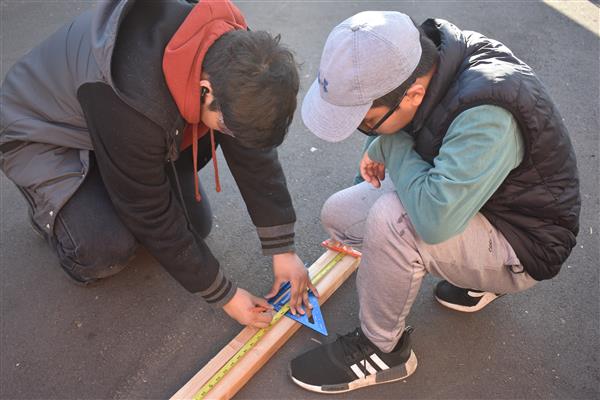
[[352, 362]]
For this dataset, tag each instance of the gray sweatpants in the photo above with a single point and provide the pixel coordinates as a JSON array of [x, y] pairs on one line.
[[395, 259]]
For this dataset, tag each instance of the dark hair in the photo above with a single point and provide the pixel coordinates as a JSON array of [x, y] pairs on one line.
[[255, 82], [429, 57]]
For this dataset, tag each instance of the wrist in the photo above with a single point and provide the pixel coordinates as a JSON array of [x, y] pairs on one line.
[[228, 301], [375, 151], [284, 255]]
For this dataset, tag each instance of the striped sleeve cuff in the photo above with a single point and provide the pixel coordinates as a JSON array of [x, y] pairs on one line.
[[276, 239], [220, 292]]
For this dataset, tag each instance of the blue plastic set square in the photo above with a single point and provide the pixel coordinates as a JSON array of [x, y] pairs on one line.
[[312, 318]]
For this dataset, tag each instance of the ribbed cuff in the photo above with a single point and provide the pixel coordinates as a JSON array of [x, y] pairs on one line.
[[220, 292], [225, 300], [279, 250], [276, 239], [375, 151]]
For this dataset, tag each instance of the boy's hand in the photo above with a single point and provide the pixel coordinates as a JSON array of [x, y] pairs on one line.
[[372, 171], [289, 267], [248, 309]]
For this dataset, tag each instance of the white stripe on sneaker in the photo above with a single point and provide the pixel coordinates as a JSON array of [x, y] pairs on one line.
[[410, 367], [357, 371], [486, 298], [379, 362], [476, 294], [368, 366]]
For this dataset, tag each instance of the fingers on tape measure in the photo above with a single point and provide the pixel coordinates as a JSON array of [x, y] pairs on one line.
[[220, 374]]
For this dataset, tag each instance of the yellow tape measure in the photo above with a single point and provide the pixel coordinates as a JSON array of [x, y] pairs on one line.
[[220, 374]]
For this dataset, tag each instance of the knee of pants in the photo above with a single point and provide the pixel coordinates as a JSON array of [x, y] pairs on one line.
[[330, 213], [387, 218], [203, 225], [201, 215], [89, 259]]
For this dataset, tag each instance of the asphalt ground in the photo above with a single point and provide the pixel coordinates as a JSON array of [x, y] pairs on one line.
[[140, 336]]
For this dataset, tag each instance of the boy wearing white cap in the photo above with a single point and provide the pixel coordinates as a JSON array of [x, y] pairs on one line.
[[481, 190]]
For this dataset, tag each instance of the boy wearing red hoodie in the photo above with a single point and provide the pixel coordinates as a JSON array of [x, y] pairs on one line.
[[105, 124]]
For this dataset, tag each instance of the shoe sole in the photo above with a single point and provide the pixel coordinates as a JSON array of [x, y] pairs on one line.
[[389, 375], [485, 300]]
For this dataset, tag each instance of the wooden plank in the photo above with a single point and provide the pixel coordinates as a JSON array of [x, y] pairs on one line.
[[275, 337]]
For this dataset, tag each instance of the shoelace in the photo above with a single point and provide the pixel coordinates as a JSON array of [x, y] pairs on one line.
[[354, 347]]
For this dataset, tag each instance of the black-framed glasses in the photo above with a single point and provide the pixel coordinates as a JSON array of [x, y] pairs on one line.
[[364, 129]]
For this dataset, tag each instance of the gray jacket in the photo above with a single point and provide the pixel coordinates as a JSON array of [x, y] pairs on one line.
[[79, 91], [41, 121]]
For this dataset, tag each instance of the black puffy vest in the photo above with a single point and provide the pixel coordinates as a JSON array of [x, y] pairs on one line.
[[537, 206]]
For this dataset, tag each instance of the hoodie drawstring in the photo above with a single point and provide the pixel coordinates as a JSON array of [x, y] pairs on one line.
[[195, 155], [215, 165]]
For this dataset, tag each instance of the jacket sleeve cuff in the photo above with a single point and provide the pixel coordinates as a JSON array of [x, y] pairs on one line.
[[220, 292], [276, 239], [375, 150]]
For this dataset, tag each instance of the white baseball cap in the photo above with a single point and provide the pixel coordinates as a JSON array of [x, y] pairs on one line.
[[365, 57]]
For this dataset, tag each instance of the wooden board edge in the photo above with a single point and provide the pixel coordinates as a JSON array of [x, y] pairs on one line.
[[277, 337]]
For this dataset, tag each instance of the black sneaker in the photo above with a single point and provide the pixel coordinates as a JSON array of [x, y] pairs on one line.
[[352, 362], [465, 300]]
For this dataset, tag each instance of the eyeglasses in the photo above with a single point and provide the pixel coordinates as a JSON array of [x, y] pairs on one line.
[[364, 128]]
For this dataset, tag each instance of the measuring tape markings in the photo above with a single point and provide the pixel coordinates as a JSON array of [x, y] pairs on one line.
[[220, 374]]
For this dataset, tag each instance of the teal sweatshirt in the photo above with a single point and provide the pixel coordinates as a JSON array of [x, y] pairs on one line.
[[482, 145]]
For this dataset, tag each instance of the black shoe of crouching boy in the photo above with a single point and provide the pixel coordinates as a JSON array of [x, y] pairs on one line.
[[352, 362], [464, 300]]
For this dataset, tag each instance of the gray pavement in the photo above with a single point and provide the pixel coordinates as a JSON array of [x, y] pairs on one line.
[[141, 336]]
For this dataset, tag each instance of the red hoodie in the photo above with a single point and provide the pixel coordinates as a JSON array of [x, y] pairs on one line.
[[182, 67]]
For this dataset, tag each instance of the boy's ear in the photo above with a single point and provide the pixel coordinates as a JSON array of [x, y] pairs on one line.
[[415, 94], [205, 91], [206, 86]]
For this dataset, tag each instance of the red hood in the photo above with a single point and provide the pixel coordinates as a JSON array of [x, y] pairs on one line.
[[182, 60], [182, 66]]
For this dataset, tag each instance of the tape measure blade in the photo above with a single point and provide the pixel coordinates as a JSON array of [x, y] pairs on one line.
[[322, 262], [323, 271], [251, 342]]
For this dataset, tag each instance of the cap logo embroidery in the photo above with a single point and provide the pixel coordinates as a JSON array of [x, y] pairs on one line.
[[323, 82]]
